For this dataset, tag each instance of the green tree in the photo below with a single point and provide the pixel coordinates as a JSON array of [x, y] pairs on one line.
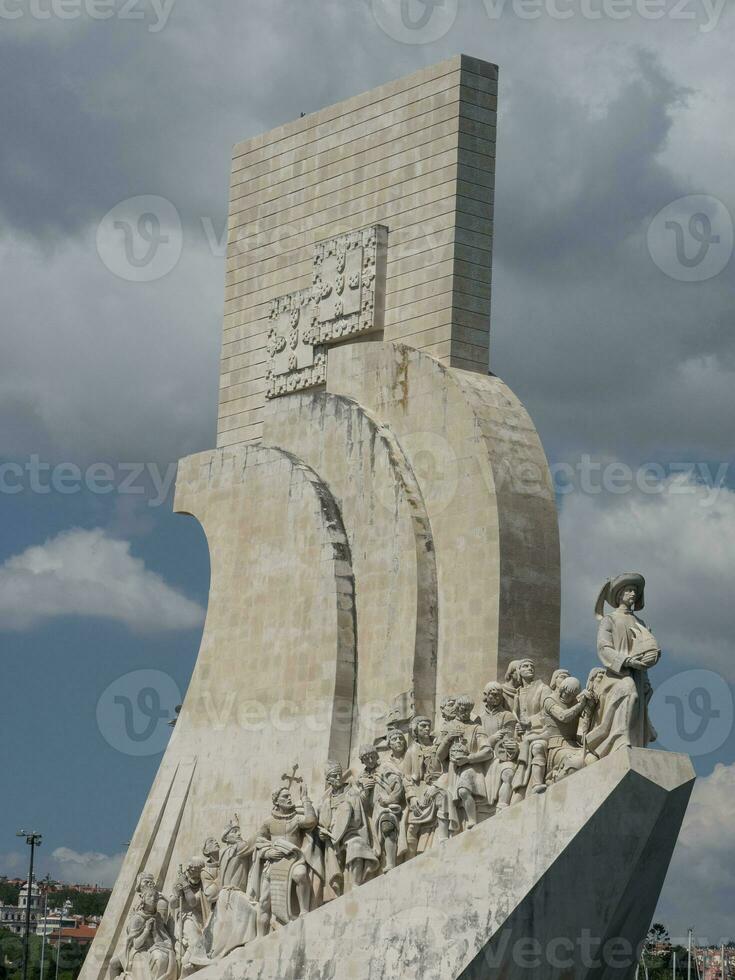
[[9, 894], [83, 903], [71, 956], [656, 954], [658, 936], [11, 952]]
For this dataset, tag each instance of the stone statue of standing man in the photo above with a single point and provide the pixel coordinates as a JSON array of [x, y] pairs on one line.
[[627, 648]]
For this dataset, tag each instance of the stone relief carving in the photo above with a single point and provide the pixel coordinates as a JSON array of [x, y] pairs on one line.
[[562, 712], [294, 361], [189, 908], [233, 920], [344, 829], [627, 649], [149, 952], [346, 298], [420, 783], [531, 695], [288, 874], [501, 774], [383, 790], [210, 875], [497, 719], [468, 749]]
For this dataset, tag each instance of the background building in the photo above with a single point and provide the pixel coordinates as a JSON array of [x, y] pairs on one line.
[[13, 917]]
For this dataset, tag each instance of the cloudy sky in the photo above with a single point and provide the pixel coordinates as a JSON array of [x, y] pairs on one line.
[[613, 320]]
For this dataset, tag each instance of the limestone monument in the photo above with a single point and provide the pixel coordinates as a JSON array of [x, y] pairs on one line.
[[380, 769]]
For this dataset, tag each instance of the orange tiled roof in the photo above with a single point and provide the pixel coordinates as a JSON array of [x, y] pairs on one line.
[[77, 932]]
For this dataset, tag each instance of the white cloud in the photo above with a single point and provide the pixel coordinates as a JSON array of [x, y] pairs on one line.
[[68, 866], [698, 888], [89, 867], [681, 536], [86, 573]]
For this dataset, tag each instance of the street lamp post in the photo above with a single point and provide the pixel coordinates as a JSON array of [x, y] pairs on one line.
[[47, 880], [58, 943], [33, 840]]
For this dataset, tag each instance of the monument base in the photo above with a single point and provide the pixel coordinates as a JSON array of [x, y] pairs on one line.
[[562, 886]]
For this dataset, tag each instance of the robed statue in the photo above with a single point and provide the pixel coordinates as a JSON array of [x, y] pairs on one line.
[[628, 649]]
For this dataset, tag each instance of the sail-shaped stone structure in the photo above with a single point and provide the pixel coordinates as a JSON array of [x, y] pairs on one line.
[[383, 542]]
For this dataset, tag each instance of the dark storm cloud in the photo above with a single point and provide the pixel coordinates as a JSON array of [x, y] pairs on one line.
[[714, 338], [620, 363], [610, 354], [105, 113], [617, 357], [106, 110], [572, 185]]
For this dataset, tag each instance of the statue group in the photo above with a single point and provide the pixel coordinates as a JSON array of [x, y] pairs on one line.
[[423, 782]]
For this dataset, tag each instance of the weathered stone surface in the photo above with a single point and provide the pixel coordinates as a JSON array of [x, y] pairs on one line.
[[467, 466], [345, 300], [382, 559], [560, 887], [375, 549], [275, 676], [487, 490], [412, 155], [387, 527]]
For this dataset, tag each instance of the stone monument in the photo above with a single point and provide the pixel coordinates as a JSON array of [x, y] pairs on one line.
[[380, 769]]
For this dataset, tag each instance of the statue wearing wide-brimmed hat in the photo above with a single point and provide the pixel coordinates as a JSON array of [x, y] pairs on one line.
[[628, 649]]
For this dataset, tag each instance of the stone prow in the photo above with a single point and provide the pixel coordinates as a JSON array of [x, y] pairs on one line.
[[489, 498], [559, 887]]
